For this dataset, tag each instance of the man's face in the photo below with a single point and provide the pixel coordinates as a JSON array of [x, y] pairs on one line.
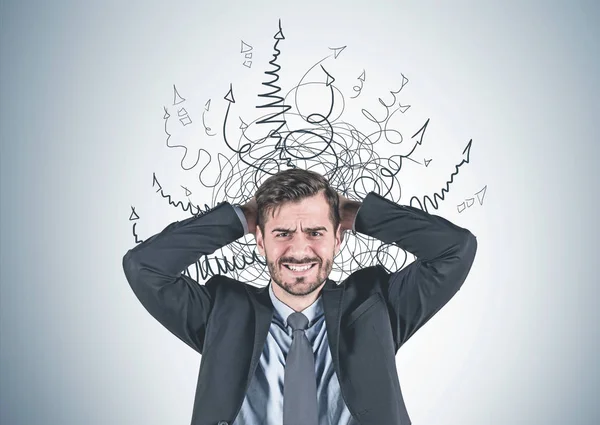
[[299, 235]]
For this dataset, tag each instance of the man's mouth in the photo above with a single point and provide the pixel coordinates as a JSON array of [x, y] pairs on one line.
[[299, 268]]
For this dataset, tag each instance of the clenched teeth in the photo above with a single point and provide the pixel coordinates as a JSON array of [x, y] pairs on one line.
[[298, 268]]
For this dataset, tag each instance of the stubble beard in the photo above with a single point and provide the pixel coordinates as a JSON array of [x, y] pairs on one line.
[[298, 286]]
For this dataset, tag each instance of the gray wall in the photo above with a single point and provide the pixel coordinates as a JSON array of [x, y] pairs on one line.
[[82, 95]]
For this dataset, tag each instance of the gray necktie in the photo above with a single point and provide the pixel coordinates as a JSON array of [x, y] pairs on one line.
[[300, 382]]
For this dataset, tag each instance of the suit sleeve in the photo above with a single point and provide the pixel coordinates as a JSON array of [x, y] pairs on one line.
[[154, 270], [444, 256]]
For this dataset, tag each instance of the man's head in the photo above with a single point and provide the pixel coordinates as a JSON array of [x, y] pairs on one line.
[[298, 226]]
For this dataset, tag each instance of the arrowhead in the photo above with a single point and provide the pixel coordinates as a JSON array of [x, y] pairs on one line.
[[245, 47], [481, 194], [467, 150], [402, 108], [187, 191], [133, 215], [337, 51], [421, 132], [330, 79], [229, 96], [404, 81], [177, 99], [207, 105], [279, 35], [155, 182]]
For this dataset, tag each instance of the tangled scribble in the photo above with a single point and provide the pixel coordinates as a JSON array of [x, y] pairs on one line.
[[294, 130]]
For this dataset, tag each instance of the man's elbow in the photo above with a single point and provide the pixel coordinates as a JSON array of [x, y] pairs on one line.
[[130, 267], [467, 253], [470, 247]]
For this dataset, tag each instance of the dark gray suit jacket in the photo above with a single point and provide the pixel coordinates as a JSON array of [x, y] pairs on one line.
[[368, 316]]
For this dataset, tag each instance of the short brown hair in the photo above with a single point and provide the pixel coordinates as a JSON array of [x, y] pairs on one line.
[[293, 185]]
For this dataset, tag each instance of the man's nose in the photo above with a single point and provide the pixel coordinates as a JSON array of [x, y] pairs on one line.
[[300, 244]]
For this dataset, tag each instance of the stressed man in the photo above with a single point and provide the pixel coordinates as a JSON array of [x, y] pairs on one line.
[[303, 350]]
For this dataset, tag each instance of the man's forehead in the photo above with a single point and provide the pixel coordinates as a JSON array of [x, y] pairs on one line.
[[306, 216]]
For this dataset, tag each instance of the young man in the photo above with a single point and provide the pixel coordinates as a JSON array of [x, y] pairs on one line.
[[303, 350]]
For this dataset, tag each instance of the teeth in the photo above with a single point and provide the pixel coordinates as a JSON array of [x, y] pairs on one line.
[[298, 269]]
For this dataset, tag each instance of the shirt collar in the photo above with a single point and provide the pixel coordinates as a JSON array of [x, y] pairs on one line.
[[312, 312]]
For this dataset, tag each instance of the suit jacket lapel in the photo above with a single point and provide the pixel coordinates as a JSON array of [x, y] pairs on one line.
[[332, 306], [264, 309]]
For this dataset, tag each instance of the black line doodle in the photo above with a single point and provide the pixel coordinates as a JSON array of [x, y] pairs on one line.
[[337, 51], [243, 125], [203, 268], [304, 127], [206, 128], [481, 194], [178, 204], [470, 201], [187, 191], [358, 89], [135, 236], [133, 215], [247, 50], [434, 202], [245, 47], [177, 99], [184, 118], [403, 109]]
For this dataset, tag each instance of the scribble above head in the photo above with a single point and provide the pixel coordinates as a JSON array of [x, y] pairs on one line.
[[302, 126]]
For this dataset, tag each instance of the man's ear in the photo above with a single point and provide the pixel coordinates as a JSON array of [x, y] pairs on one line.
[[260, 243], [339, 238]]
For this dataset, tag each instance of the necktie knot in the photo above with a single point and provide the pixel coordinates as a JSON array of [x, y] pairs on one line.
[[297, 321]]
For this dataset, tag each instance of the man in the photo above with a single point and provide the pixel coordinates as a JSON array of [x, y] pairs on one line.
[[262, 361]]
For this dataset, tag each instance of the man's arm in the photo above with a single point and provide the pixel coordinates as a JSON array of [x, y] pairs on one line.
[[154, 270], [444, 251]]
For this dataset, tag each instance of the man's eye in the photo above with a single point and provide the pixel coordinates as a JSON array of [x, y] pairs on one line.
[[316, 233], [280, 234]]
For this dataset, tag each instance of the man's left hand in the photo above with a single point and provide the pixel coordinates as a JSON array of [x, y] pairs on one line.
[[348, 209]]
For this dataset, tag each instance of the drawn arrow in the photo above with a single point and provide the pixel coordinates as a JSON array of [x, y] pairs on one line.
[[330, 79], [337, 51], [229, 96], [245, 47], [177, 99], [133, 215], [481, 194]]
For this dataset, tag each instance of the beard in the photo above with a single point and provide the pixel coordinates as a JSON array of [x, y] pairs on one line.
[[300, 285]]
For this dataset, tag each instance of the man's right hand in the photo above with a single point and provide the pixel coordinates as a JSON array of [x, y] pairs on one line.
[[250, 210]]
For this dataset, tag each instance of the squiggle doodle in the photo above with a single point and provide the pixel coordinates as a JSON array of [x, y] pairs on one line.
[[206, 128], [187, 208], [304, 128], [358, 89], [433, 202], [134, 217]]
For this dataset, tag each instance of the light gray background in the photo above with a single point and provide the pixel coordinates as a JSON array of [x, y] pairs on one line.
[[82, 91]]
